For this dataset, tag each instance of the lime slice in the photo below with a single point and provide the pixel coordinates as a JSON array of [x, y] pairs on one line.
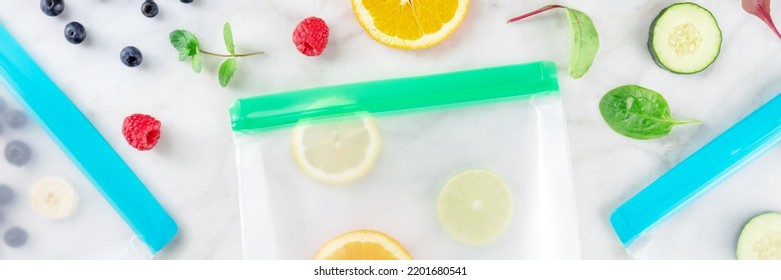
[[475, 206], [338, 152]]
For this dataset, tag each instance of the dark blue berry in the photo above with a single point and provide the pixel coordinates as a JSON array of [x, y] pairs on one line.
[[75, 33], [15, 237], [131, 56], [186, 1], [149, 8], [52, 8], [17, 153], [6, 195], [15, 119]]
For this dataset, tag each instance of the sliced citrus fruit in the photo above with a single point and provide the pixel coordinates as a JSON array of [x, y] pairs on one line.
[[337, 152], [475, 206], [410, 24], [363, 245]]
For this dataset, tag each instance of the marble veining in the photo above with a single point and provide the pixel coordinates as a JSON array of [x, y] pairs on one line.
[[193, 173]]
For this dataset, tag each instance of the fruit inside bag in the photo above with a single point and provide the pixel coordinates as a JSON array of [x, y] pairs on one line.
[[462, 165], [697, 211], [64, 192]]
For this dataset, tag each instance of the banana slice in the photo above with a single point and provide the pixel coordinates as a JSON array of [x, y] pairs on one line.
[[53, 198]]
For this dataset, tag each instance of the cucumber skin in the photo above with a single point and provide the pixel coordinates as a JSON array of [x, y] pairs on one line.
[[651, 40], [743, 229]]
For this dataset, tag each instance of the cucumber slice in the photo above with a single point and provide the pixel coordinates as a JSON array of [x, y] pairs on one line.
[[761, 238], [684, 38]]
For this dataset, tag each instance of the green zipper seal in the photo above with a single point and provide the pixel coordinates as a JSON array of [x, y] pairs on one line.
[[447, 90]]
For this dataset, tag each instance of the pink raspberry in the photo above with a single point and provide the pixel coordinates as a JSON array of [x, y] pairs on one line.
[[311, 36], [141, 131]]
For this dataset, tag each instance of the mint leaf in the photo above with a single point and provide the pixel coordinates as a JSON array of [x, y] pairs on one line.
[[228, 36], [184, 42], [197, 63], [178, 39], [227, 69], [638, 112]]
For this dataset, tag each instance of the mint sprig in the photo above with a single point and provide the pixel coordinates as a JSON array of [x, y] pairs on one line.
[[188, 46]]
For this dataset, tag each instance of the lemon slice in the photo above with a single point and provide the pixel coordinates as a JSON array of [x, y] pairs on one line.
[[363, 245], [410, 24], [338, 152], [475, 206]]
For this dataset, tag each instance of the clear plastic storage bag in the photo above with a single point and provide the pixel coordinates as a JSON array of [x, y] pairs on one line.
[[64, 192], [697, 211], [325, 165]]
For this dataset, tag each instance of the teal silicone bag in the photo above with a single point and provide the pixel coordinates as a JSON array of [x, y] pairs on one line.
[[64, 192], [696, 211]]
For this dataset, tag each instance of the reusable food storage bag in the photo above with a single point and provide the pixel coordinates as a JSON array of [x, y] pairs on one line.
[[697, 211], [418, 135], [64, 192]]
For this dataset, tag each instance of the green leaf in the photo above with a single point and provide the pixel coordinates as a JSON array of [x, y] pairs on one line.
[[184, 42], [197, 63], [638, 112], [585, 40], [228, 36], [227, 69], [585, 43]]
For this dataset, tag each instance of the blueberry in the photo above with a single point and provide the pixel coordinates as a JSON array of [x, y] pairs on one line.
[[6, 195], [186, 1], [75, 33], [15, 237], [131, 56], [149, 8], [17, 153], [15, 119], [52, 8]]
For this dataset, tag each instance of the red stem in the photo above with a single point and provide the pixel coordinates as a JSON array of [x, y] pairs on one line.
[[768, 20], [540, 10]]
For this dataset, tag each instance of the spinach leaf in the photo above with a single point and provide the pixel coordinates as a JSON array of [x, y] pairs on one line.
[[585, 43], [638, 112], [585, 39]]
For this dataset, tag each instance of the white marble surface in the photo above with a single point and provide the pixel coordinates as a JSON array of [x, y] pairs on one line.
[[192, 171]]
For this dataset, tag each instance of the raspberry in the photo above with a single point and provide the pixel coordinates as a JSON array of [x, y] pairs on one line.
[[311, 36], [141, 131]]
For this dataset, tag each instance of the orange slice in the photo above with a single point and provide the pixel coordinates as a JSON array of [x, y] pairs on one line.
[[363, 245], [410, 24]]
